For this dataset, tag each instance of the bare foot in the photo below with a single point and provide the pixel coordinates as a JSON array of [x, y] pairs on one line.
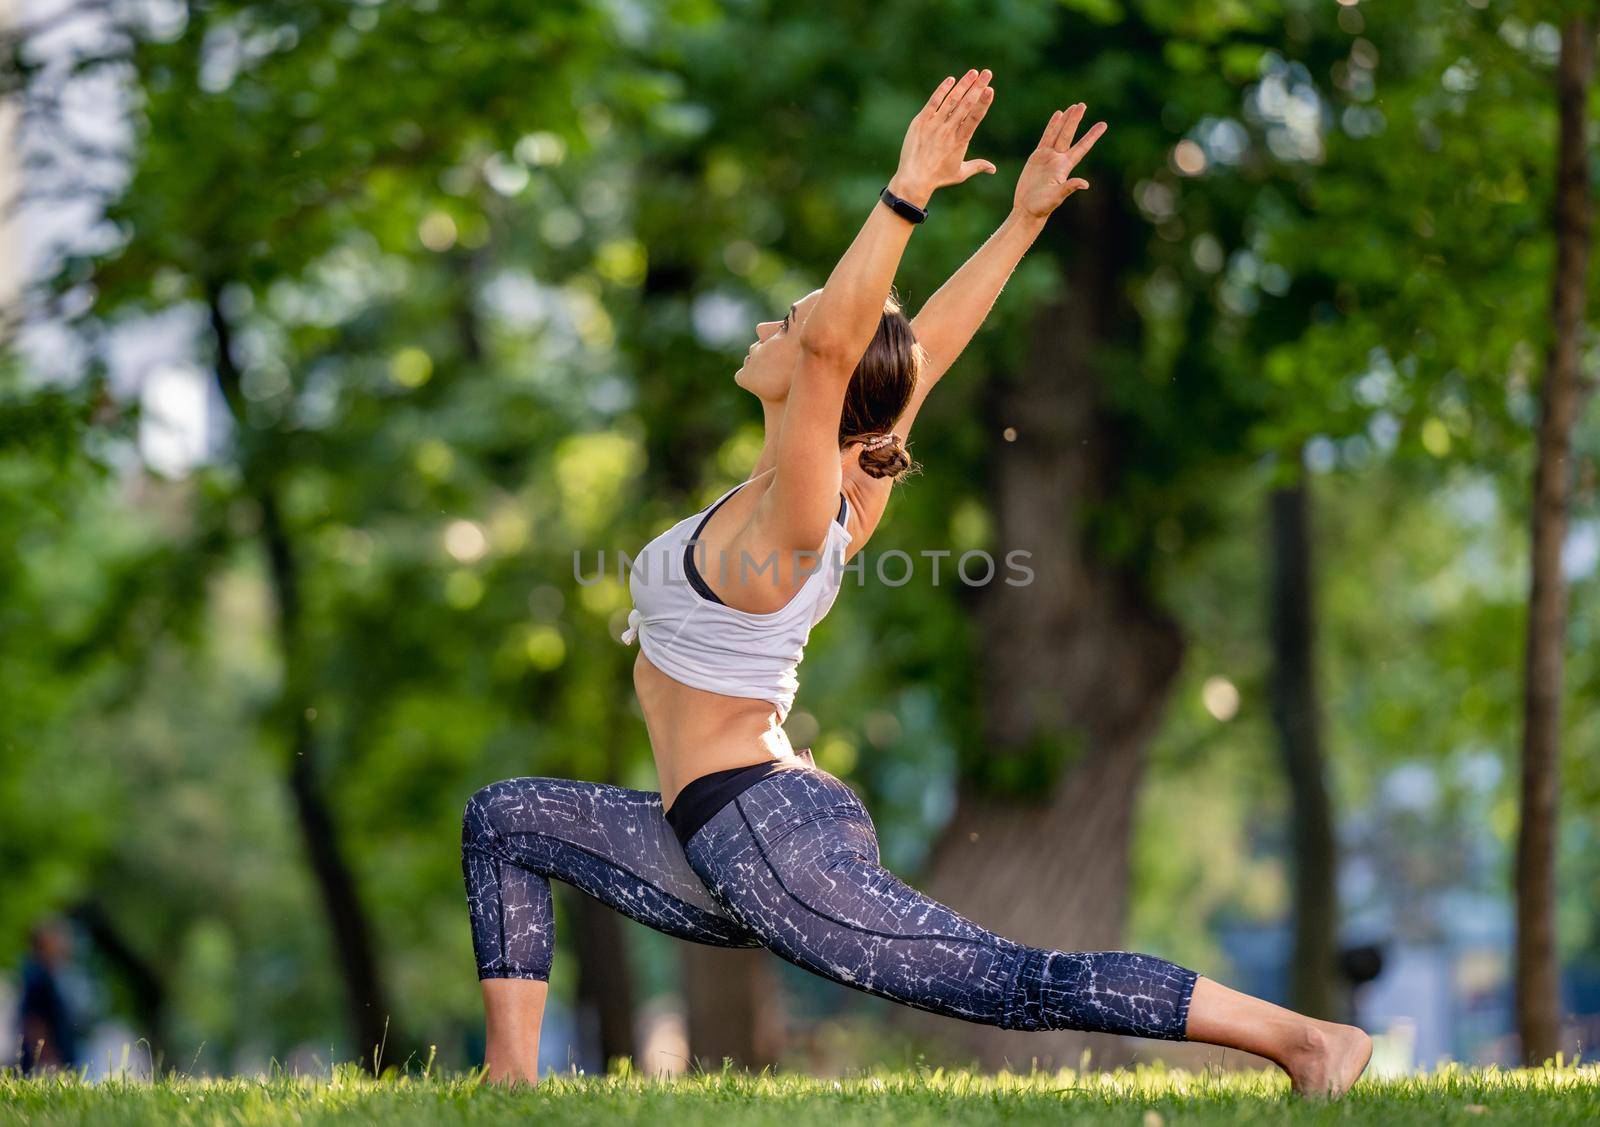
[[1328, 1060]]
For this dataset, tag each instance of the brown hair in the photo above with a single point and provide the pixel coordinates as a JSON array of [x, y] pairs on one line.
[[880, 391]]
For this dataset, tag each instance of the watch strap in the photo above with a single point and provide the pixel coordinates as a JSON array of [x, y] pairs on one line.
[[905, 209]]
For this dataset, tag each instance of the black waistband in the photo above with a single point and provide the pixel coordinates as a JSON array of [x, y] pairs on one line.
[[700, 801]]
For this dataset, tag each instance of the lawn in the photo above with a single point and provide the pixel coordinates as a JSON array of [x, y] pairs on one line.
[[1146, 1097]]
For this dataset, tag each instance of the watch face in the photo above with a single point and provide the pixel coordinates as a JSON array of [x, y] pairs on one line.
[[903, 208]]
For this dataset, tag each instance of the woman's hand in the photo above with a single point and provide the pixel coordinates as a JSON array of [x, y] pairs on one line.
[[935, 148], [1047, 178]]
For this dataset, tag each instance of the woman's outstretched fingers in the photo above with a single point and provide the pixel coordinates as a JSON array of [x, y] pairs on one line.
[[936, 99], [1077, 152], [974, 101], [1063, 126], [1047, 140], [953, 101], [981, 104], [1068, 127]]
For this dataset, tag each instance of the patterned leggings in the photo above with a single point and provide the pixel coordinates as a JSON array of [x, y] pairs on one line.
[[792, 865]]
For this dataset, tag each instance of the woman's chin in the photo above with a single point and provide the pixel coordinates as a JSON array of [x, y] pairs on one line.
[[758, 384]]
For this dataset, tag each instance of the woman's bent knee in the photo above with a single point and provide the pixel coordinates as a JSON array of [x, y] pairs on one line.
[[475, 821], [478, 822]]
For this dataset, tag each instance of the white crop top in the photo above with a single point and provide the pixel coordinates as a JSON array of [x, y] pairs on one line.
[[693, 637]]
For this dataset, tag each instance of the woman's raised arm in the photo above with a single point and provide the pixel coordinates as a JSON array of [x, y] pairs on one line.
[[841, 323], [951, 317]]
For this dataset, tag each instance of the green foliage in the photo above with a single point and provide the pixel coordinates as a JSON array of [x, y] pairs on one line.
[[1403, 341]]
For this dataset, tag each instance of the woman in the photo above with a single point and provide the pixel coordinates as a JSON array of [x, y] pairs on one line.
[[757, 846]]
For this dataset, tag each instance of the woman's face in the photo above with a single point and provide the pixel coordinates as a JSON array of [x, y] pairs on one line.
[[769, 365]]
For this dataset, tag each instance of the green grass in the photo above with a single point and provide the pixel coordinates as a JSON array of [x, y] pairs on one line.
[[1145, 1097]]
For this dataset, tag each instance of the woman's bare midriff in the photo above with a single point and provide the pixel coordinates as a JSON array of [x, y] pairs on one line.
[[693, 732]]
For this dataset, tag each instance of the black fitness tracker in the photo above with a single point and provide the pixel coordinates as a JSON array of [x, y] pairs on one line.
[[905, 209]]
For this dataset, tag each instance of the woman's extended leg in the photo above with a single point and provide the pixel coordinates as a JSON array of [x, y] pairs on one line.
[[607, 841], [795, 859]]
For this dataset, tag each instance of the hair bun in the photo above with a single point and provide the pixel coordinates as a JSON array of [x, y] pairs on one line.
[[884, 455]]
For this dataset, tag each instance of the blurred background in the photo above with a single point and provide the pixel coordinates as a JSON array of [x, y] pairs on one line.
[[342, 338]]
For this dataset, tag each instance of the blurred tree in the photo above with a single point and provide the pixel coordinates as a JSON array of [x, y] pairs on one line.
[[262, 463], [1387, 328], [1129, 409], [324, 148], [1297, 715], [45, 475], [1452, 332], [1560, 399], [1449, 358]]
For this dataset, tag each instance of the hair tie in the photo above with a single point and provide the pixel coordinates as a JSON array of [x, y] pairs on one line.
[[879, 441]]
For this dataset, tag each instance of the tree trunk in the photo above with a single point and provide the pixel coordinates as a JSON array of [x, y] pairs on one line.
[[1538, 966], [365, 1000], [1076, 666], [735, 1011], [605, 979], [1313, 974]]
